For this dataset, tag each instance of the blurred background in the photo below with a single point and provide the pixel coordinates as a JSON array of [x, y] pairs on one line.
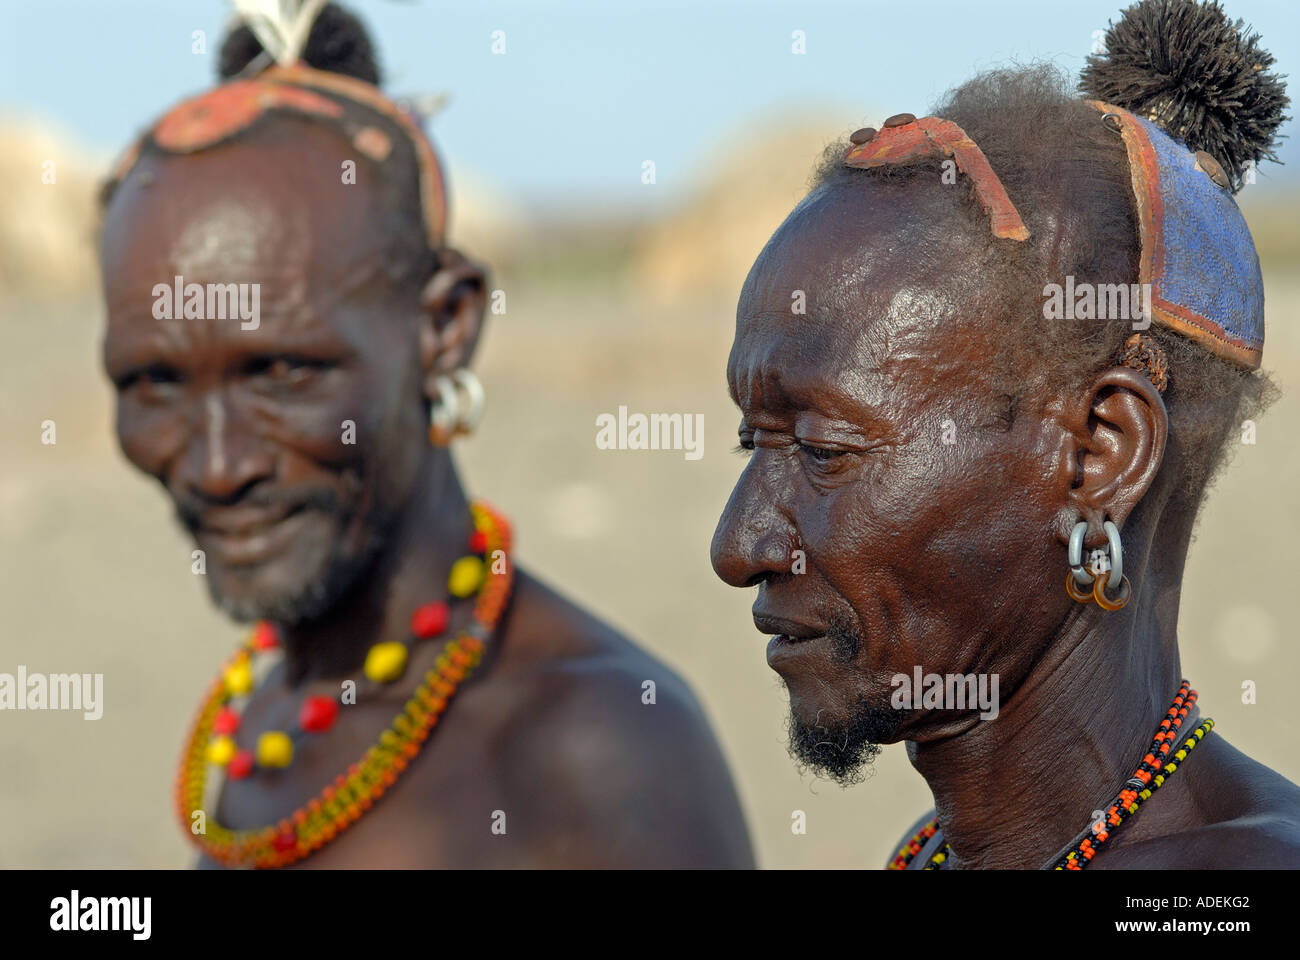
[[619, 292]]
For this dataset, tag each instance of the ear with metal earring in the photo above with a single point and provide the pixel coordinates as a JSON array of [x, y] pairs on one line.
[[1105, 569], [444, 413]]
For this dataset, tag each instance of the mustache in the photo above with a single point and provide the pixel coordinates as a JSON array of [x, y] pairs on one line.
[[190, 507], [846, 640]]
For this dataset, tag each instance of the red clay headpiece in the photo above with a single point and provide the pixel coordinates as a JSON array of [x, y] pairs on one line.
[[906, 139], [218, 114]]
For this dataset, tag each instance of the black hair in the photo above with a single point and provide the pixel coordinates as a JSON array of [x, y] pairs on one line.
[[337, 43]]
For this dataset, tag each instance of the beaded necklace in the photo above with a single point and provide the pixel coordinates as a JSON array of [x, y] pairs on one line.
[[1151, 774], [341, 803]]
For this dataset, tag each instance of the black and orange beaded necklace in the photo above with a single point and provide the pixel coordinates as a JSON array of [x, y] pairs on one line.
[[1156, 767]]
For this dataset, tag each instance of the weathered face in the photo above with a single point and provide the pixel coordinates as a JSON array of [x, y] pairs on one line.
[[287, 442], [895, 511]]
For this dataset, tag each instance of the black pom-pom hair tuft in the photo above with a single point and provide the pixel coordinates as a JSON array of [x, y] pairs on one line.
[[1200, 76], [337, 43]]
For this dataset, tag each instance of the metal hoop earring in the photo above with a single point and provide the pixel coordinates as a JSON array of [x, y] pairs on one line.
[[1116, 580], [444, 415], [469, 418], [1084, 585], [1116, 555], [1074, 557]]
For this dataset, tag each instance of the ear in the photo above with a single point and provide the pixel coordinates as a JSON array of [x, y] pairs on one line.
[[453, 302], [1115, 442]]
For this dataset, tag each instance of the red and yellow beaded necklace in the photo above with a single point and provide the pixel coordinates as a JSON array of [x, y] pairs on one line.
[[340, 804]]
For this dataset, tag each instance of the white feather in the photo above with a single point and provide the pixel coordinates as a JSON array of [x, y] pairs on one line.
[[281, 26]]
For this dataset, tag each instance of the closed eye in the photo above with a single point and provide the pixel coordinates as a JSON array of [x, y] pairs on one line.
[[821, 454]]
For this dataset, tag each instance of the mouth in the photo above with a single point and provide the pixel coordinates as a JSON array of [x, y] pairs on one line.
[[790, 630], [789, 637], [244, 537]]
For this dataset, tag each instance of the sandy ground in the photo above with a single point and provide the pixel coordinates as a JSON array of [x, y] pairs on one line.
[[95, 577]]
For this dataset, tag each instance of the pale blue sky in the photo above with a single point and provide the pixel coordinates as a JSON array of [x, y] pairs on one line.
[[586, 90]]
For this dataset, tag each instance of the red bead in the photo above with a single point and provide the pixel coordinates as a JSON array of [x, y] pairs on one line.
[[226, 722], [429, 620], [240, 765], [265, 637], [477, 542], [285, 840], [318, 714]]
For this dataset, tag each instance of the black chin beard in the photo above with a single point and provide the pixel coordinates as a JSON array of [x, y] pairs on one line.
[[843, 752]]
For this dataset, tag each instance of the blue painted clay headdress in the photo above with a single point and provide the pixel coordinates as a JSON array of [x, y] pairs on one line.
[[1191, 94], [1197, 252]]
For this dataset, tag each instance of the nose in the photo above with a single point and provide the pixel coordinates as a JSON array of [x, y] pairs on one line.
[[224, 455], [754, 540]]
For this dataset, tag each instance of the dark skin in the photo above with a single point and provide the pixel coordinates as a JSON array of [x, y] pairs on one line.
[[244, 426], [952, 556]]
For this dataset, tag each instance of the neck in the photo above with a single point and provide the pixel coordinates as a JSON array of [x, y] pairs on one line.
[[1011, 793], [429, 534]]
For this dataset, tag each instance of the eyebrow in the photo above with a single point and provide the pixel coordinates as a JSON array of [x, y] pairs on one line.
[[779, 392], [123, 356]]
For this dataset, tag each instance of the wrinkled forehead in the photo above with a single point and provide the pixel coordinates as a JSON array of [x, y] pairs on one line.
[[858, 290]]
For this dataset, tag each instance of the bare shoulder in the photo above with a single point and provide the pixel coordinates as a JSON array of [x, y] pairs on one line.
[[1267, 840], [610, 747], [1261, 829], [1254, 821]]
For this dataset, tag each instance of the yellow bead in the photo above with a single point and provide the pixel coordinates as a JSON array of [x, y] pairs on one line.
[[466, 575], [220, 750], [385, 662], [274, 749], [239, 678]]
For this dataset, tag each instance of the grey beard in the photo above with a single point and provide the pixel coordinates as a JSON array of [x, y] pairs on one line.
[[313, 599]]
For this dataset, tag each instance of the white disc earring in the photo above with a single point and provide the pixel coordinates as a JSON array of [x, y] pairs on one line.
[[476, 396], [444, 414]]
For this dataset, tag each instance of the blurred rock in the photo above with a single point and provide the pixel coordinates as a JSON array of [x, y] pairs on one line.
[[46, 229]]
